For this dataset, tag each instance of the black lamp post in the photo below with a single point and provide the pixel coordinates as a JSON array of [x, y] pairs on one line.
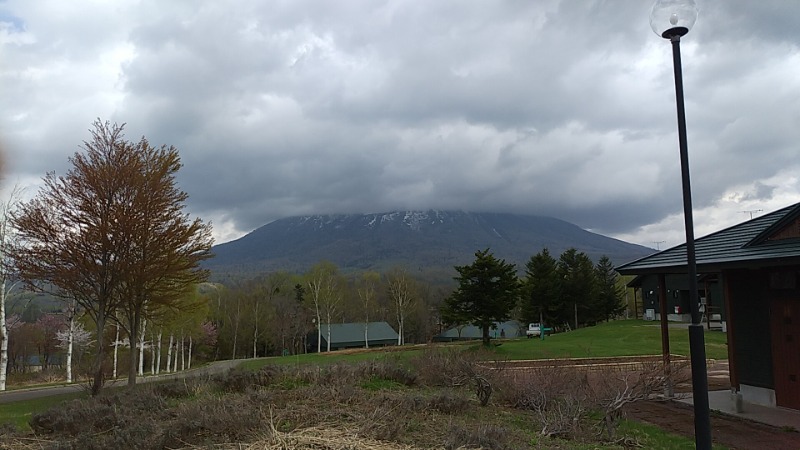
[[672, 19]]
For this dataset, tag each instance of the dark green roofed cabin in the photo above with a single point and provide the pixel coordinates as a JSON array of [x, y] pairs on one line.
[[351, 335], [757, 268]]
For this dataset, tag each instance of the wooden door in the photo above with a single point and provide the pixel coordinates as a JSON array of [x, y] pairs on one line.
[[785, 318]]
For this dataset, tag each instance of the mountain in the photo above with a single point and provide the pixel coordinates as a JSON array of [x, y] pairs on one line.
[[431, 242]]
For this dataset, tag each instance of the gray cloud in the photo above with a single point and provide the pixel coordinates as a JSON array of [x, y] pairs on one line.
[[283, 108]]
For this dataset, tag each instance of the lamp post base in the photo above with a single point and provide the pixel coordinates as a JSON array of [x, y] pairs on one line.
[[702, 421]]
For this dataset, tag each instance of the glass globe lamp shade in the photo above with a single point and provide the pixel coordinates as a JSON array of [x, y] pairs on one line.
[[670, 18]]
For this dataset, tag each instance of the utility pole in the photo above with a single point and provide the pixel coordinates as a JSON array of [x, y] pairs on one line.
[[658, 244]]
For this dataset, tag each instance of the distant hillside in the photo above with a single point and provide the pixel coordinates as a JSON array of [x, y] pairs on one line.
[[430, 242]]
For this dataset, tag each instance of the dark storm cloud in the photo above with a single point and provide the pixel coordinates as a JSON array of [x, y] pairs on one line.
[[555, 108]]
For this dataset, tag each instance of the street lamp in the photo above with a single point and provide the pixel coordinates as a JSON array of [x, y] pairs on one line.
[[672, 19]]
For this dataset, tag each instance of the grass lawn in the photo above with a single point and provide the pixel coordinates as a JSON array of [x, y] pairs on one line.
[[19, 413], [617, 338]]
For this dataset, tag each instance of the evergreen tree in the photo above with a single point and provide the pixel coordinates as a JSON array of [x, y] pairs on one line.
[[540, 297], [487, 292], [609, 293], [578, 289]]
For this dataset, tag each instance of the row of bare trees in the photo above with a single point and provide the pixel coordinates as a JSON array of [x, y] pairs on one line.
[[111, 239], [282, 313]]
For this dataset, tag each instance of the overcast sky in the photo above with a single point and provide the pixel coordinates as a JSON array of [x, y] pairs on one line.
[[284, 108]]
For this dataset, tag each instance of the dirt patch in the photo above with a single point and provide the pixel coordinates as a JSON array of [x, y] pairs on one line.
[[726, 430]]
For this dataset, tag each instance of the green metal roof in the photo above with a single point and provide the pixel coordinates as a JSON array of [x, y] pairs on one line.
[[742, 245], [354, 332]]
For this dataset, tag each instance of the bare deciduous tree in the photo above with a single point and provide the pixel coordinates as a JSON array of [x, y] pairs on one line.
[[7, 239], [323, 288], [366, 287], [401, 290]]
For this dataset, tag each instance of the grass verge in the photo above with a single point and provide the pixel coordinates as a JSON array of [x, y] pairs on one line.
[[19, 413]]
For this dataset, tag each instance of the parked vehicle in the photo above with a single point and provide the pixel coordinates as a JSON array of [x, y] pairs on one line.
[[534, 330]]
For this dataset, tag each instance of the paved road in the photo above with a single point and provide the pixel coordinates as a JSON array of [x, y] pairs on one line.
[[214, 368]]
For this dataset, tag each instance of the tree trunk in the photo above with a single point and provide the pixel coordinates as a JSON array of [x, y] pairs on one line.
[[319, 334], [189, 364], [576, 316], [133, 341], [366, 334], [175, 358], [169, 354], [70, 340], [97, 382], [486, 337], [141, 347], [400, 331], [255, 341], [235, 336], [158, 357], [329, 331], [153, 354], [116, 352], [183, 355], [3, 337]]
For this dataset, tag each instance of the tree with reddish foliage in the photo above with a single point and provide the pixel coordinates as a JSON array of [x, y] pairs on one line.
[[49, 325], [111, 234], [166, 246]]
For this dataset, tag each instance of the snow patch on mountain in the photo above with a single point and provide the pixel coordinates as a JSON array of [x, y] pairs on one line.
[[412, 219]]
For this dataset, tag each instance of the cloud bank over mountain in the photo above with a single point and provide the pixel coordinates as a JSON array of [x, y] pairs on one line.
[[555, 108]]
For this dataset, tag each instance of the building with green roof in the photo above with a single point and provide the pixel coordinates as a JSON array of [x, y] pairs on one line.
[[356, 335]]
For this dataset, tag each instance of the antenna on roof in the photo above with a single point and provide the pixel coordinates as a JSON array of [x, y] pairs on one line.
[[658, 244], [751, 212]]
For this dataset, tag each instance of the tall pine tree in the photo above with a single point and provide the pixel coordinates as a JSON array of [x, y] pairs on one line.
[[487, 292], [541, 290], [578, 289], [609, 292]]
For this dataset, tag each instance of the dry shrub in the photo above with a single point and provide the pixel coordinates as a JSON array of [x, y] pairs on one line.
[[7, 429], [185, 388], [344, 373], [98, 414], [143, 434], [126, 419], [441, 366], [230, 418], [483, 436], [391, 370], [387, 420], [240, 380], [621, 388], [447, 403], [533, 388], [453, 367], [322, 438], [560, 397]]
